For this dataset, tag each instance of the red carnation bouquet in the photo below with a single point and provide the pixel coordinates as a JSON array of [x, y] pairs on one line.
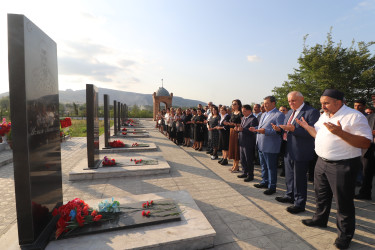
[[116, 144], [108, 162], [67, 122], [76, 213], [5, 127]]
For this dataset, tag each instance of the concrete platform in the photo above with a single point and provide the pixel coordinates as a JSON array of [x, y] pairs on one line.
[[192, 232], [80, 172], [152, 147]]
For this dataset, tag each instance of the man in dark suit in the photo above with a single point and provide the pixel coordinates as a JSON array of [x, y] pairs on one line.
[[368, 165], [299, 151], [247, 142]]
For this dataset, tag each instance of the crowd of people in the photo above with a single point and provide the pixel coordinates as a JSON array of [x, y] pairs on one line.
[[333, 147]]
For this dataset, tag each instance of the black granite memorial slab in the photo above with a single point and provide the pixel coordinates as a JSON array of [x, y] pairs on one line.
[[106, 120], [118, 116], [115, 117], [34, 103], [92, 124], [163, 211], [126, 112]]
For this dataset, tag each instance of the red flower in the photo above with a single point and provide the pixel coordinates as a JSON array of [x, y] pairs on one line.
[[94, 213], [61, 225], [55, 212], [98, 217], [85, 210], [143, 213], [117, 144], [151, 202], [144, 204], [147, 203], [80, 219], [148, 213]]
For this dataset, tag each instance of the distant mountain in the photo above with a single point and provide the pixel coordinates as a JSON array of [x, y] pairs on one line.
[[130, 98]]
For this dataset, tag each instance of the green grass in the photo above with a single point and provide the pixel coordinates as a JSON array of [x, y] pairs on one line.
[[78, 128]]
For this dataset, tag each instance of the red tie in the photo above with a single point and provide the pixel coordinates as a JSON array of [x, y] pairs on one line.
[[289, 121]]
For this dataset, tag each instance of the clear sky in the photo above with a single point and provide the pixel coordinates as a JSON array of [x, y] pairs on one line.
[[209, 50]]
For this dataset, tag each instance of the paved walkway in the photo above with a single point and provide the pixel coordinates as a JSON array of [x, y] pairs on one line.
[[242, 216]]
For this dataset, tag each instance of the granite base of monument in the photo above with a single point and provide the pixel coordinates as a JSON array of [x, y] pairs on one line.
[[131, 135], [192, 232], [162, 211], [150, 147], [125, 168]]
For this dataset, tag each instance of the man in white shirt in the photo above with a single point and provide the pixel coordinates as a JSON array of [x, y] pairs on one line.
[[340, 134]]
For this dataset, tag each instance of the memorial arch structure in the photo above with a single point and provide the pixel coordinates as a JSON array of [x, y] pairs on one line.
[[161, 96]]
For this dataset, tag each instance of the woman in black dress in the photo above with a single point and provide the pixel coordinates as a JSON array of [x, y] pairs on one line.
[[212, 124], [235, 121], [199, 131], [193, 134], [178, 119], [187, 122], [223, 135]]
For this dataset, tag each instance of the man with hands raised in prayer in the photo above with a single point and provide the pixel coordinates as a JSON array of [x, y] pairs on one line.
[[340, 134], [299, 151]]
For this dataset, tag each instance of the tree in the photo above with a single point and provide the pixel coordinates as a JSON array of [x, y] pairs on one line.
[[350, 70]]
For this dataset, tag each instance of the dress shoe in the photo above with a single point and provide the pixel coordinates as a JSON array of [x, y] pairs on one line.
[[342, 244], [209, 152], [260, 185], [284, 199], [242, 176], [295, 209], [269, 191], [312, 223], [214, 157], [219, 161], [224, 162], [248, 178], [362, 197]]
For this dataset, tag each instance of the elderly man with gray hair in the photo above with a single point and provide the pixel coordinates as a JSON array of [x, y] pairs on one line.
[[299, 151]]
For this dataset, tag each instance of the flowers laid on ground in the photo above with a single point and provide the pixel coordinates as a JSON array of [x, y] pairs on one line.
[[135, 144], [76, 213], [136, 161], [157, 211], [109, 207], [124, 129], [5, 127], [67, 122], [116, 144], [108, 162], [124, 133]]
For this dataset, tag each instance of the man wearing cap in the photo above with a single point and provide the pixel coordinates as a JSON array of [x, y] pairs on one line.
[[340, 134]]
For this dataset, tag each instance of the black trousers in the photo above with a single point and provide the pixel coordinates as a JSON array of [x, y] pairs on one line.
[[368, 171], [247, 160], [336, 178]]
